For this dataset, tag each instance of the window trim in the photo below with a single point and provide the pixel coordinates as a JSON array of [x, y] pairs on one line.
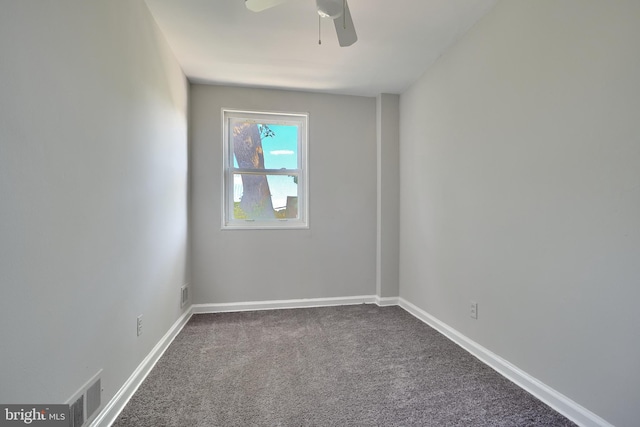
[[228, 170]]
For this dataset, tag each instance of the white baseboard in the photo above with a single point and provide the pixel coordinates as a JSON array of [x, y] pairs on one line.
[[567, 407], [111, 411], [280, 304], [387, 301]]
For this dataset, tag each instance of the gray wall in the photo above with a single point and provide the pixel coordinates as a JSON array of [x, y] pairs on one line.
[[520, 172], [93, 194], [388, 158], [337, 255]]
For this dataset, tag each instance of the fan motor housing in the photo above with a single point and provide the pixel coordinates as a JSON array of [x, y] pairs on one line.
[[330, 8]]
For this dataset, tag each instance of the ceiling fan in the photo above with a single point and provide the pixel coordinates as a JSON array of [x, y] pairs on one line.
[[338, 10]]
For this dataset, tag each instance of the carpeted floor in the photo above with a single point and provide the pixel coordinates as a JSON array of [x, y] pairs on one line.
[[360, 365]]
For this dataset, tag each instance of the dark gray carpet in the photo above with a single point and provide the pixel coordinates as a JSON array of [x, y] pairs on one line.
[[357, 365]]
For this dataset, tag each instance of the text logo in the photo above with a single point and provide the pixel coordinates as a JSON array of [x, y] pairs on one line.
[[34, 415]]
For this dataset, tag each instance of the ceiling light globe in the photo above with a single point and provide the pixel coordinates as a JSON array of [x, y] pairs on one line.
[[330, 8]]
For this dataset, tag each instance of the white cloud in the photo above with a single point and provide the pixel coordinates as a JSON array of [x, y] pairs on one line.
[[281, 152]]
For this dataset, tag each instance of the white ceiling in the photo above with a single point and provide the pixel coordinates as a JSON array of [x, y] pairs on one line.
[[221, 42]]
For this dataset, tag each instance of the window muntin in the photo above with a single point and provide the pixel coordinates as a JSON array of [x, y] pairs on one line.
[[265, 170]]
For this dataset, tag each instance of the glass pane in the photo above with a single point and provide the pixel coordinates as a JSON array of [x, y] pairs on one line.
[[265, 197], [263, 146]]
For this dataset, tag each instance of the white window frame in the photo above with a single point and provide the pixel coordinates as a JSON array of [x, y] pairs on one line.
[[228, 170]]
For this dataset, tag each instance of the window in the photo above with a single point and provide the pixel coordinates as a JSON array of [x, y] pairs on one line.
[[265, 170]]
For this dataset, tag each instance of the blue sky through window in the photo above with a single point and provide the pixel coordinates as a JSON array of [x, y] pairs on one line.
[[280, 151]]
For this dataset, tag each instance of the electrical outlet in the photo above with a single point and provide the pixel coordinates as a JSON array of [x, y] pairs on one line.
[[139, 323], [474, 310], [184, 295]]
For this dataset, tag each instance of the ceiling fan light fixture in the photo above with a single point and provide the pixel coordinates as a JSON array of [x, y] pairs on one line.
[[330, 8]]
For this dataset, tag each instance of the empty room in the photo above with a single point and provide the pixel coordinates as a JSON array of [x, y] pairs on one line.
[[319, 213]]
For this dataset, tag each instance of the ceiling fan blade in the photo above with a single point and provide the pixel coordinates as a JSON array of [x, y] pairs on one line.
[[345, 29], [260, 5]]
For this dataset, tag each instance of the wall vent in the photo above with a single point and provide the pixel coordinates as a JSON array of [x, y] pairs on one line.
[[85, 403], [76, 412], [93, 398]]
